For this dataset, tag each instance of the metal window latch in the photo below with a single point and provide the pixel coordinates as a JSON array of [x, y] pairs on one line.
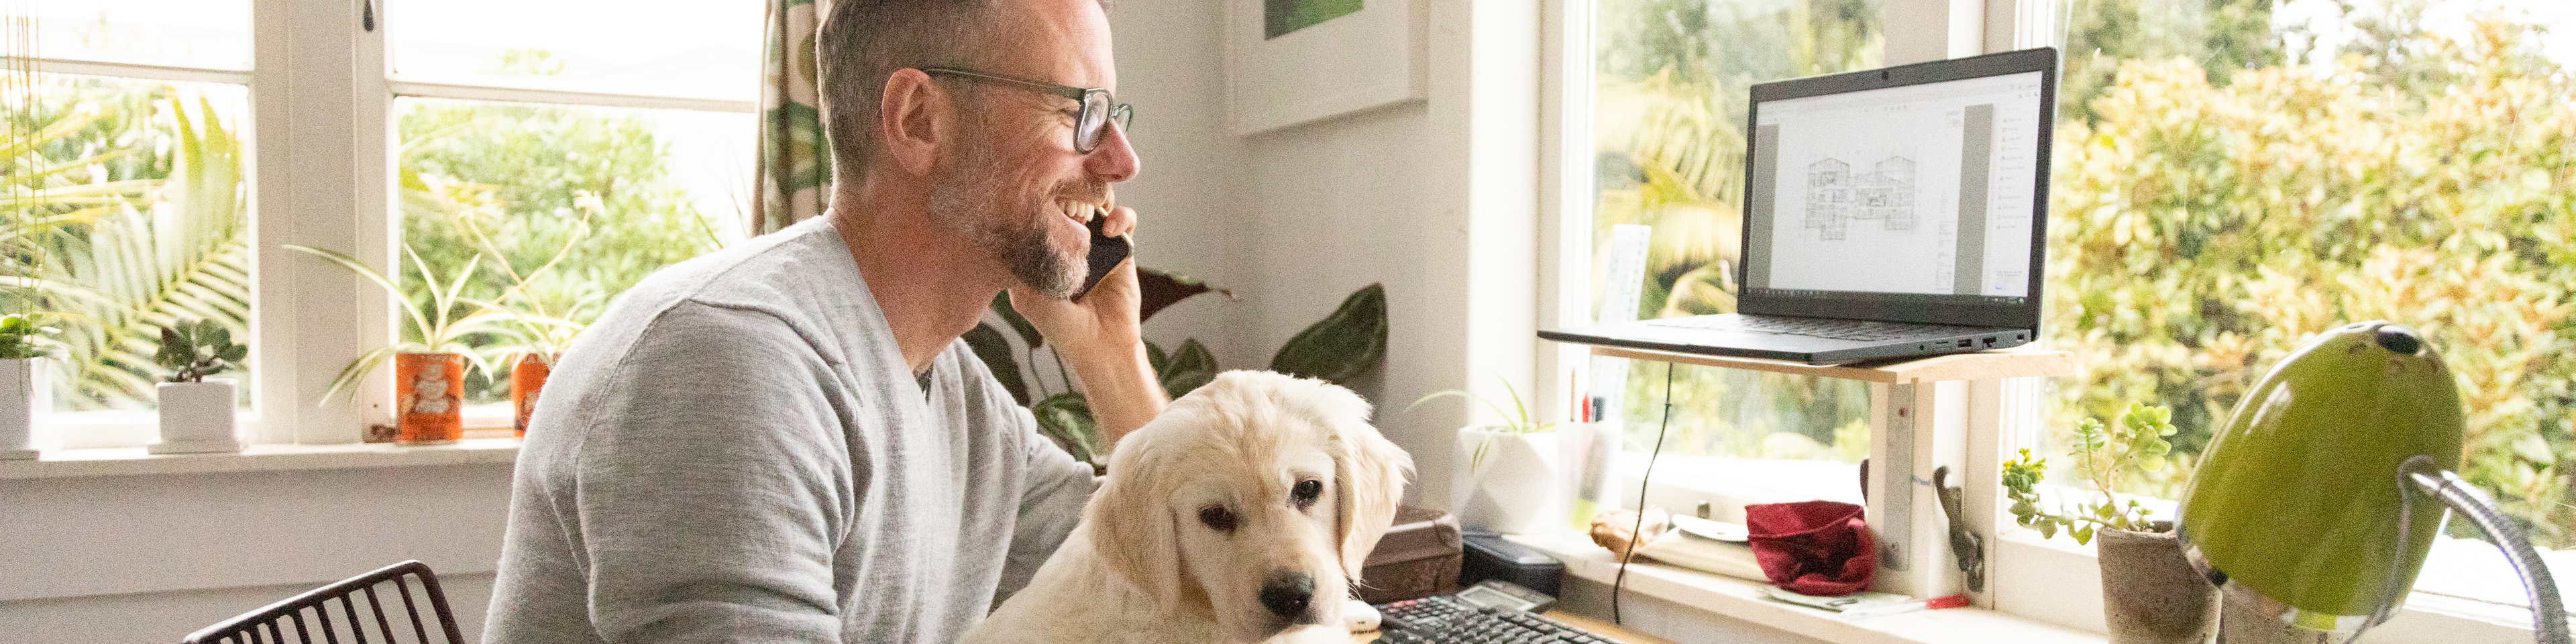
[[1968, 546]]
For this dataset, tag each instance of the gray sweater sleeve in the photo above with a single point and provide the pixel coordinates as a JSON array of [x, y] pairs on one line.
[[711, 490]]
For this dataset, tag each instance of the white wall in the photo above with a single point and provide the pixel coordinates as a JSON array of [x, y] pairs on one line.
[[142, 559]]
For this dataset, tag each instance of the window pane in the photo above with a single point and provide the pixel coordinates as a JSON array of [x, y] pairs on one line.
[[1668, 102], [2235, 176], [128, 212], [691, 48], [617, 193], [190, 33]]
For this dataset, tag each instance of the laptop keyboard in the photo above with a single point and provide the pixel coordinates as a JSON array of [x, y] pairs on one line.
[[1859, 330]]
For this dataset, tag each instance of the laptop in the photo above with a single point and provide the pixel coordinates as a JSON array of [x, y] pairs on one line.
[[1889, 213]]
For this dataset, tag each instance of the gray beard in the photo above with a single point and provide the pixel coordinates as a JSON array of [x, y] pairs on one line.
[[1010, 229]]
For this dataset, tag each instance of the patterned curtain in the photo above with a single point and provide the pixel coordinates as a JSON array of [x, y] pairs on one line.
[[795, 165]]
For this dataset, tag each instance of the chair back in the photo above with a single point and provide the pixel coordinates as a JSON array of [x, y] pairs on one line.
[[382, 606]]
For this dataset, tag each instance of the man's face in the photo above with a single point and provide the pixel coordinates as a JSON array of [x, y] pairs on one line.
[[1009, 180]]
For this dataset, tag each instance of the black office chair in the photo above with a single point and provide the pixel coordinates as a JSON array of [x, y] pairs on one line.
[[359, 606]]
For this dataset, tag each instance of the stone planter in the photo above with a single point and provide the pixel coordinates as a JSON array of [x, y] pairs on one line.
[[22, 394], [429, 400], [1515, 489], [2150, 594], [197, 418]]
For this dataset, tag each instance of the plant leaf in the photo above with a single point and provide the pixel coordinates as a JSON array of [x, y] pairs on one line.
[[1066, 419], [1343, 346], [1162, 289], [1190, 368], [995, 351]]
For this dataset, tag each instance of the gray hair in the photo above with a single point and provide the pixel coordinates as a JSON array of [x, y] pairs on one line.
[[863, 42]]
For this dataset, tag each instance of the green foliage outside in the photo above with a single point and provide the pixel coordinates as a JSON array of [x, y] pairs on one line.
[[126, 212], [1669, 105], [2203, 230]]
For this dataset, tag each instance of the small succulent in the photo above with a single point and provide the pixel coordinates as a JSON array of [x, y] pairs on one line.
[[194, 349], [18, 334], [2105, 455]]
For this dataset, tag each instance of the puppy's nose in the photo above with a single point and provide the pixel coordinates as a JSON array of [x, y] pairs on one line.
[[1287, 594]]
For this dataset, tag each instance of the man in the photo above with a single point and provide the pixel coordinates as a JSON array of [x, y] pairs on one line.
[[785, 441]]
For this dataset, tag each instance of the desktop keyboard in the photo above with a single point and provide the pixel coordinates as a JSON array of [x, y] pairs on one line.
[[1828, 328], [1442, 619]]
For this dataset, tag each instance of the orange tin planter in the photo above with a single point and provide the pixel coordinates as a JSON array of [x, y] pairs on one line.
[[527, 379], [429, 398]]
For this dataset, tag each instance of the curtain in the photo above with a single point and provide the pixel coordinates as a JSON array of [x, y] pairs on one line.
[[795, 165]]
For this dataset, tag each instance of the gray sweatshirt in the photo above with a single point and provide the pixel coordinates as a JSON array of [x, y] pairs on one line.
[[737, 452]]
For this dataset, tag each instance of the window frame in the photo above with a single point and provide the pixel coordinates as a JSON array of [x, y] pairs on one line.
[[2047, 580]]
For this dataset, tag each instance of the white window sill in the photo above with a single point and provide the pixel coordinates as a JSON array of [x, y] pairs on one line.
[[135, 461], [1742, 599]]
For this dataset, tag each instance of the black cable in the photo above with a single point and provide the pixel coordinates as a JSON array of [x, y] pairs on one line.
[[1637, 535]]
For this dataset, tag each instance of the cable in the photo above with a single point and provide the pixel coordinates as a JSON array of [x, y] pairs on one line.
[[1637, 535]]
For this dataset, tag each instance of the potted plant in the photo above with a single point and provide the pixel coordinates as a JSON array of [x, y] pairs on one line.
[[430, 364], [197, 412], [22, 391], [2150, 594], [1510, 481]]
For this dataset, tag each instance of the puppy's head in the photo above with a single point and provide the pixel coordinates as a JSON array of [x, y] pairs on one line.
[[1255, 499]]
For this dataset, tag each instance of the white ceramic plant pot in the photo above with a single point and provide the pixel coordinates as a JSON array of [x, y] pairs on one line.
[[20, 386], [197, 418], [1514, 489]]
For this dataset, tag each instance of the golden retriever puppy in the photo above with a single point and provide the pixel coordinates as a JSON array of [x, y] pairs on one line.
[[1242, 515]]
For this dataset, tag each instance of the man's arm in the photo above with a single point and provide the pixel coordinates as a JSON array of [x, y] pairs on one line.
[[1101, 338], [710, 492]]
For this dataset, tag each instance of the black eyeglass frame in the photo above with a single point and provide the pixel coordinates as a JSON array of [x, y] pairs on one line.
[[1098, 107]]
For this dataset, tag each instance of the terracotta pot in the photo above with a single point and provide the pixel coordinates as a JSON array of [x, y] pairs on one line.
[[429, 399], [527, 379], [2150, 594]]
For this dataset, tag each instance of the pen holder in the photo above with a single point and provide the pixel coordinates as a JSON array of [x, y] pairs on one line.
[[1586, 454]]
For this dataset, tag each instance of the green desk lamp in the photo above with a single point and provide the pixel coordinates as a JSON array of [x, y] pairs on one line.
[[2313, 507]]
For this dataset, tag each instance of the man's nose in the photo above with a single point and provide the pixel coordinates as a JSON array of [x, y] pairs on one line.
[[1114, 160]]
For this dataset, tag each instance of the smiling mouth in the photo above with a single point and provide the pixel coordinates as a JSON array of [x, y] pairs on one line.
[[1081, 212]]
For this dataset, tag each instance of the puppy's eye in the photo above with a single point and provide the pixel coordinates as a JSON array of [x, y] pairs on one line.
[[1217, 518], [1305, 494]]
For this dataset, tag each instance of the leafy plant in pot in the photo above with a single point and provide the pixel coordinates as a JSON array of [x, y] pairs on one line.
[[1342, 348], [430, 362], [21, 391], [2150, 594], [197, 412], [1510, 483]]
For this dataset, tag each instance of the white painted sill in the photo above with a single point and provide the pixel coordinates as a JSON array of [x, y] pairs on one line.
[[1742, 599], [135, 461]]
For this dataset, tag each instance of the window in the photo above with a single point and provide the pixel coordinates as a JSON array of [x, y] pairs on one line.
[[622, 147], [2231, 177], [128, 208], [1668, 102], [510, 131], [2236, 176]]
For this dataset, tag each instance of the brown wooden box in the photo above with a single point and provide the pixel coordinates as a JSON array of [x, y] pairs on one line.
[[1417, 558]]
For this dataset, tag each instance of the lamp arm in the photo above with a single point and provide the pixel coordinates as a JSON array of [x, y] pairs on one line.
[[2548, 615]]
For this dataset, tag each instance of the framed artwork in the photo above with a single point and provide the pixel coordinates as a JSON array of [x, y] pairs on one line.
[[1295, 61]]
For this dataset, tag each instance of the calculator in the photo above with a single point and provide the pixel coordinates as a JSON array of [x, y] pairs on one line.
[[1490, 611]]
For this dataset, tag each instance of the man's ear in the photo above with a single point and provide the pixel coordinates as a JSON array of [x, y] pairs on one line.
[[1370, 472], [1133, 530], [912, 117]]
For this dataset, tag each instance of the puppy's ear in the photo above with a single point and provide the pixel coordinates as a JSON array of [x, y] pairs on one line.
[[1370, 473], [1133, 531]]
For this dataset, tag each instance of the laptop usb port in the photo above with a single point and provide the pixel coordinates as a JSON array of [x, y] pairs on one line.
[[1966, 343]]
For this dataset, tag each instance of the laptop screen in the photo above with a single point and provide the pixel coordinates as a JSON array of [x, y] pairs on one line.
[[1869, 196]]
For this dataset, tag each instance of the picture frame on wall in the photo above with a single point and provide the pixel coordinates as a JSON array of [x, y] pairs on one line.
[[1291, 62]]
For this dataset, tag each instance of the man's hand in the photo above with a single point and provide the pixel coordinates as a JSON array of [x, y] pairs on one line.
[[1101, 338]]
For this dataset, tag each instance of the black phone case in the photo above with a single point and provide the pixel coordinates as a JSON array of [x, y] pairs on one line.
[[1106, 252]]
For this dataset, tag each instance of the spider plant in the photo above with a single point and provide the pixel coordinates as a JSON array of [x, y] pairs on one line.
[[1516, 421], [435, 329]]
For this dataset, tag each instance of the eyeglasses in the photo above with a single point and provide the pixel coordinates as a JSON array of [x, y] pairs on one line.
[[1088, 126]]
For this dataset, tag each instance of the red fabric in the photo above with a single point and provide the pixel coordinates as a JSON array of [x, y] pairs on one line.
[[1813, 547]]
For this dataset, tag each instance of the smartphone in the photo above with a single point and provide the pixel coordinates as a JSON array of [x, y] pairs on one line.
[[1106, 253]]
